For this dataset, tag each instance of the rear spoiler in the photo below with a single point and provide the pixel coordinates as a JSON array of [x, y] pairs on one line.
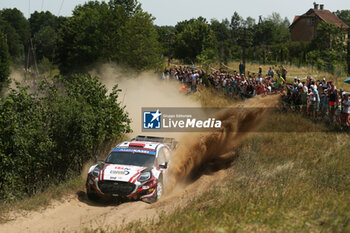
[[171, 142]]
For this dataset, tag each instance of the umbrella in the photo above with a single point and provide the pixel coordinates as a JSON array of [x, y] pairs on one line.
[[192, 67], [347, 80]]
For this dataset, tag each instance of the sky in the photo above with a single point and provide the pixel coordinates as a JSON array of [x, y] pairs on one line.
[[169, 12]]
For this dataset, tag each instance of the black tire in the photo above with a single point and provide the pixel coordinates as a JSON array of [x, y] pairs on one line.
[[93, 196], [159, 192], [159, 189]]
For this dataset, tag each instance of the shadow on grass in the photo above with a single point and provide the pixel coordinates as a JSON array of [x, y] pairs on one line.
[[211, 167]]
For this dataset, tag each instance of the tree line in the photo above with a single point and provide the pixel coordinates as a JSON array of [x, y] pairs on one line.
[[115, 31], [120, 31], [266, 41]]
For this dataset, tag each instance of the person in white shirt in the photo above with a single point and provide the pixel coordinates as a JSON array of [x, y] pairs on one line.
[[346, 111], [324, 83]]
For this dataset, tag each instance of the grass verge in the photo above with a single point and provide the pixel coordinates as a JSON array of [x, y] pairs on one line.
[[281, 182]]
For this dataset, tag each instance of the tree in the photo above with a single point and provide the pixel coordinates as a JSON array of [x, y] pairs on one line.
[[273, 30], [94, 34], [329, 37], [166, 38], [44, 28], [139, 47], [4, 60], [38, 20], [344, 15], [236, 26], [83, 37], [221, 31], [16, 28], [328, 48], [15, 46], [193, 37], [16, 19], [45, 41]]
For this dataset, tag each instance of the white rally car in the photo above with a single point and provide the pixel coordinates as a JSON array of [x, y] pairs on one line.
[[134, 169]]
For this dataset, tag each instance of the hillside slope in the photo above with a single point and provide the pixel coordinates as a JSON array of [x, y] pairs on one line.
[[279, 182]]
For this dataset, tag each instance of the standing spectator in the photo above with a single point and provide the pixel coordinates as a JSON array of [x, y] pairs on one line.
[[260, 70], [316, 102], [194, 82], [304, 97], [295, 81], [324, 102], [271, 72], [241, 68], [333, 99], [324, 83], [346, 111], [280, 80], [284, 73]]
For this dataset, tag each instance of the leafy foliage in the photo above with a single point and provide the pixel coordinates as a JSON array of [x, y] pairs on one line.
[[39, 20], [15, 18], [166, 38], [344, 15], [222, 33], [328, 48], [17, 31], [115, 31], [272, 30], [48, 136], [193, 37], [4, 60], [44, 28], [138, 44]]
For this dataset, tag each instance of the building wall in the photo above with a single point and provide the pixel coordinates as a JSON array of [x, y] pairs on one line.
[[305, 28]]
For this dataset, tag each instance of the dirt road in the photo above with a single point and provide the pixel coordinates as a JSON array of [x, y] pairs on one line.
[[76, 213]]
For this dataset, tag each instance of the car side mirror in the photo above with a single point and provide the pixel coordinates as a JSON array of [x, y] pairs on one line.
[[164, 165], [100, 162]]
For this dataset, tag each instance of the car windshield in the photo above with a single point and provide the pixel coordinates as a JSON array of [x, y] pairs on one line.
[[130, 158]]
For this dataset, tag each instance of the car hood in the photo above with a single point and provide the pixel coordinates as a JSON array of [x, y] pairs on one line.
[[124, 173]]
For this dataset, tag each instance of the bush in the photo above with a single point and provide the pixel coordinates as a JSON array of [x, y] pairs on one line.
[[47, 137]]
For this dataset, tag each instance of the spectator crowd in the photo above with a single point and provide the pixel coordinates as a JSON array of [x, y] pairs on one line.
[[316, 98]]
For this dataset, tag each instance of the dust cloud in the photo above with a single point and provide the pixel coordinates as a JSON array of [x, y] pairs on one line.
[[210, 152], [144, 90], [198, 153], [16, 76]]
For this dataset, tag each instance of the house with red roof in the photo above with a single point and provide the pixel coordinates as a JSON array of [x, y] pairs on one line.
[[304, 27]]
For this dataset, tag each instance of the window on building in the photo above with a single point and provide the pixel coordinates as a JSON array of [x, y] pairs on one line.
[[308, 22]]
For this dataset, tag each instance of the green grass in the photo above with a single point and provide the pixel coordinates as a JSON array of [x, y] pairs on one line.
[[281, 182]]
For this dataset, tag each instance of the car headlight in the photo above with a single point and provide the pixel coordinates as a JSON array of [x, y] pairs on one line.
[[145, 176], [96, 171]]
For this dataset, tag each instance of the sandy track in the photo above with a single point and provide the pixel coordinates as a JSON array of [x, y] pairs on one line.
[[76, 213]]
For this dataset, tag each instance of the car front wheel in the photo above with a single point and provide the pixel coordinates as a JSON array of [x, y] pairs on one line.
[[160, 189]]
